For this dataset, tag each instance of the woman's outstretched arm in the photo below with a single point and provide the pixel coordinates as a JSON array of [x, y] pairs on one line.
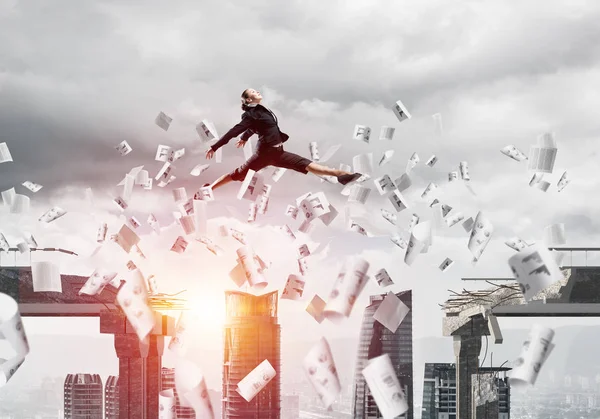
[[234, 132]]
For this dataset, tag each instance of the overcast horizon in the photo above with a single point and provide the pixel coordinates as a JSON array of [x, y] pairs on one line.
[[77, 78]]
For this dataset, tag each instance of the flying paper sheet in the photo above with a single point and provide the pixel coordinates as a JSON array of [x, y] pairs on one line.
[[387, 133], [256, 380], [464, 170], [346, 289], [403, 182], [163, 121], [251, 186], [535, 269], [20, 204], [542, 156], [534, 354], [180, 245], [363, 163], [288, 231], [398, 201], [33, 187], [362, 133], [516, 243], [314, 206], [46, 277], [412, 162], [178, 342], [278, 173], [328, 217], [314, 151], [206, 131], [384, 184], [12, 331], [359, 194], [420, 236], [316, 307], [97, 281], [167, 408], [199, 169], [554, 235], [431, 161], [468, 224], [389, 216], [4, 243], [480, 236], [385, 387], [291, 211], [133, 299], [383, 278], [452, 176], [513, 152], [400, 111], [8, 196], [455, 218], [5, 155], [446, 264], [294, 288], [330, 152], [249, 262], [563, 181], [320, 369], [391, 312], [429, 191], [199, 399], [437, 120], [385, 158], [123, 148]]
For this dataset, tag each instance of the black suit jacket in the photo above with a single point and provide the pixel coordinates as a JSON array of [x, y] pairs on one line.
[[256, 120]]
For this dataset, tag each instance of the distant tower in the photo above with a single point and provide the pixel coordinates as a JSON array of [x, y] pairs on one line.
[[168, 382], [376, 340], [83, 396], [111, 397], [251, 335], [439, 392]]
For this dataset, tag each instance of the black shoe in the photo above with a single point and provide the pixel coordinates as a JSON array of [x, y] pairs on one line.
[[346, 179], [205, 185]]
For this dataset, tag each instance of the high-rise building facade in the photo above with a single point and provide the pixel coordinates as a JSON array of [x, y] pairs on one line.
[[251, 335], [83, 396], [111, 397], [376, 340], [167, 381], [491, 393]]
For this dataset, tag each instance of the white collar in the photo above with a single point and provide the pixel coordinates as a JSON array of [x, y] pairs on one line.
[[252, 105]]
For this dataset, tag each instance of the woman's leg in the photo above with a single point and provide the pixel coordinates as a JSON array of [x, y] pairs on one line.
[[320, 170], [223, 180]]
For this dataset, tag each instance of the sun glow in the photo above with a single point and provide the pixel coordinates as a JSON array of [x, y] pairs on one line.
[[209, 310]]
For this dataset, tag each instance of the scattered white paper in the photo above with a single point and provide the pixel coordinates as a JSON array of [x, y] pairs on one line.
[[535, 269], [123, 148], [431, 161], [387, 133], [513, 152], [346, 289], [294, 288], [5, 155], [256, 380], [46, 277], [385, 387], [543, 155], [13, 331], [320, 369], [400, 111], [446, 264], [316, 307], [534, 354], [33, 187], [163, 121], [554, 235], [362, 133], [419, 238]]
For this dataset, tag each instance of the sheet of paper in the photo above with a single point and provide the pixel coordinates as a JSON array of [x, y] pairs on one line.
[[12, 331], [123, 148], [463, 168], [20, 204], [30, 240], [468, 224], [8, 196], [412, 162], [346, 289], [403, 182], [303, 265], [4, 243], [386, 157], [431, 161], [419, 238], [363, 163], [454, 218], [480, 236], [278, 173], [248, 259], [313, 148], [248, 149], [251, 186], [187, 224], [385, 387], [294, 288], [314, 206], [534, 353], [398, 201], [330, 153], [387, 133], [400, 111], [328, 217], [513, 152], [199, 169], [554, 235], [99, 279], [316, 307], [535, 269], [391, 312], [126, 238], [133, 299], [285, 229], [389, 216], [384, 184], [291, 211], [383, 278], [33, 187], [46, 277], [256, 380], [206, 131], [516, 243], [359, 193], [452, 176], [163, 121], [200, 217], [320, 369], [362, 133], [199, 399], [180, 245], [414, 220], [543, 155], [167, 408], [178, 343], [563, 181], [430, 191], [446, 264], [5, 155]]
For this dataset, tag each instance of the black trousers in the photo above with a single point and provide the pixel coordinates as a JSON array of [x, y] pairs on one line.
[[271, 156]]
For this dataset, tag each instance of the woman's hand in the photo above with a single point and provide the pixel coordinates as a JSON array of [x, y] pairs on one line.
[[240, 143], [210, 153]]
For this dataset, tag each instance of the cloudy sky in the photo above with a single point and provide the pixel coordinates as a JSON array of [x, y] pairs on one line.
[[77, 78]]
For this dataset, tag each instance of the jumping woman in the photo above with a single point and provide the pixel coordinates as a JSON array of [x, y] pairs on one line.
[[269, 151]]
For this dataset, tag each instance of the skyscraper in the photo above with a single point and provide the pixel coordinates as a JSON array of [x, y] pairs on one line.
[[83, 396], [376, 340], [111, 397], [491, 393], [167, 381], [439, 392], [251, 335]]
